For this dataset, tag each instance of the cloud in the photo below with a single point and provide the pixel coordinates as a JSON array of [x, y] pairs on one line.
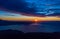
[[30, 6], [16, 5], [8, 14], [11, 14]]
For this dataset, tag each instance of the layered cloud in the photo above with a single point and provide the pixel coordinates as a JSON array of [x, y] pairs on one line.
[[32, 6], [11, 14]]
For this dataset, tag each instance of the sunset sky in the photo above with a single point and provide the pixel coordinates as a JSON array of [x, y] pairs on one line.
[[31, 7], [18, 17]]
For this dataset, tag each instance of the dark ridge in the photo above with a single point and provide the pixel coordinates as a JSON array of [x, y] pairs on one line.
[[4, 34], [11, 32]]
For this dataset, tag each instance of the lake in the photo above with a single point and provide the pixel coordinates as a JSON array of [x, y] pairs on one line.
[[34, 27]]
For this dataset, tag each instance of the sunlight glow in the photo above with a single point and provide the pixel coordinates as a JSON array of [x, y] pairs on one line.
[[36, 20]]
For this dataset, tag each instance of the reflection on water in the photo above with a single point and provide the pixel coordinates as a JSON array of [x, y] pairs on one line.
[[33, 27]]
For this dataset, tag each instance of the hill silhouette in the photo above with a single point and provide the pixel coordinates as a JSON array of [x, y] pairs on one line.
[[4, 34]]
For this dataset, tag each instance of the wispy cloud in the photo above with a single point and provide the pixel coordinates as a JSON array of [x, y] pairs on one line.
[[10, 14]]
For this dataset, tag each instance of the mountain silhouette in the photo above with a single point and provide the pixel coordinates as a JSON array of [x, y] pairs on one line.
[[15, 34]]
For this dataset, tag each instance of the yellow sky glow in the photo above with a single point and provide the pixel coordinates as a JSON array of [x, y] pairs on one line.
[[31, 18]]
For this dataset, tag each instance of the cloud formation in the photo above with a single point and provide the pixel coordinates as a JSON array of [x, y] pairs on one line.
[[31, 6]]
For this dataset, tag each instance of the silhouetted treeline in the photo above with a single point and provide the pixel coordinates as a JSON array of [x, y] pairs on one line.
[[14, 34]]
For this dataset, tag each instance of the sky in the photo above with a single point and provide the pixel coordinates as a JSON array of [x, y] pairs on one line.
[[32, 7], [18, 17]]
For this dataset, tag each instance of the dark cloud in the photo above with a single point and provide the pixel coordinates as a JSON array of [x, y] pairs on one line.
[[17, 5], [31, 7]]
